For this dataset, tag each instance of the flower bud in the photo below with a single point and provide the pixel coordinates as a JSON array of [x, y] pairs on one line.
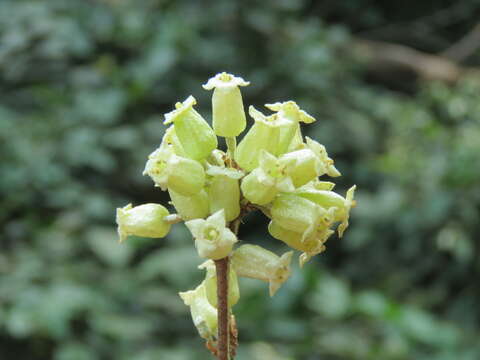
[[296, 213], [146, 220], [227, 105], [290, 111], [329, 199], [211, 284], [184, 176], [263, 135], [255, 262], [195, 135], [224, 191], [321, 153], [204, 315], [190, 207], [262, 184], [212, 239]]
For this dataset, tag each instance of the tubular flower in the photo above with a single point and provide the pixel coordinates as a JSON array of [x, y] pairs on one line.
[[212, 239], [146, 220], [290, 110], [204, 315], [329, 199], [194, 134], [272, 176], [227, 104], [263, 135], [211, 284], [321, 153], [255, 262], [307, 166], [224, 191], [184, 176], [191, 207], [297, 214]]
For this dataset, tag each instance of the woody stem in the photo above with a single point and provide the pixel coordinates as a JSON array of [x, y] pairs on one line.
[[222, 308]]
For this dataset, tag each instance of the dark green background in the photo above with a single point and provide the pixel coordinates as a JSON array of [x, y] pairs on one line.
[[83, 86]]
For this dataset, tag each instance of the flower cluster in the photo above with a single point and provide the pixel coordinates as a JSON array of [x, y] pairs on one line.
[[273, 169]]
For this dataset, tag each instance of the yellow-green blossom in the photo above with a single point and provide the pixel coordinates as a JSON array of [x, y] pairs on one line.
[[255, 262], [145, 220], [194, 134], [191, 207], [213, 239], [204, 315], [211, 284], [227, 104]]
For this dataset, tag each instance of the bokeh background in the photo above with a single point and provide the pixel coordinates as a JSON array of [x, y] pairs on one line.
[[395, 88]]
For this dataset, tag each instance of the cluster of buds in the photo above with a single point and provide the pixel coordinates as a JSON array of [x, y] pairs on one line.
[[273, 169]]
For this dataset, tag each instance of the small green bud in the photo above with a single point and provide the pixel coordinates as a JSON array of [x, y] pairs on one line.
[[195, 135], [211, 284], [263, 135], [212, 239], [146, 220], [184, 176], [191, 207], [272, 176], [227, 104], [296, 213], [289, 110], [224, 190], [321, 153], [329, 199], [204, 315], [255, 262]]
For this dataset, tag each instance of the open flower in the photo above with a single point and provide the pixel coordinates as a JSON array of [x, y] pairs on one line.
[[213, 239], [255, 262], [194, 134], [180, 174], [291, 111], [204, 315], [272, 176], [227, 104], [146, 220], [329, 199], [310, 245]]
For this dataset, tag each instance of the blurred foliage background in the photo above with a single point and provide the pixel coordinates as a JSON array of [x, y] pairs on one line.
[[83, 86]]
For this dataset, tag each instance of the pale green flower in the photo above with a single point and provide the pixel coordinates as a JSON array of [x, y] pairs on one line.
[[224, 190], [211, 284], [204, 315], [255, 262], [146, 220], [291, 111], [194, 134], [227, 104], [263, 135], [296, 213], [191, 207], [328, 199], [213, 239], [272, 176], [184, 176]]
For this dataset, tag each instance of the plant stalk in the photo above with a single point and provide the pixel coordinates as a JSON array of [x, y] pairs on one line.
[[222, 308]]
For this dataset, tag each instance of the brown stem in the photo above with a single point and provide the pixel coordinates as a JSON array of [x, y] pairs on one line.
[[222, 308]]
